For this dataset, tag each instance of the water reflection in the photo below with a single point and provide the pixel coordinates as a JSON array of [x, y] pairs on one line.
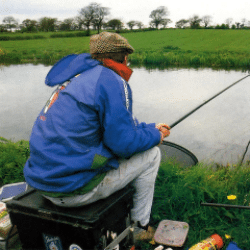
[[22, 95], [219, 131]]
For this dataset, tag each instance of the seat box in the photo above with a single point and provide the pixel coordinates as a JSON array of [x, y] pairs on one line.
[[43, 225]]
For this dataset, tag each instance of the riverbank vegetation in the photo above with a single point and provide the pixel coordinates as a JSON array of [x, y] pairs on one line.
[[178, 195], [226, 49], [12, 159]]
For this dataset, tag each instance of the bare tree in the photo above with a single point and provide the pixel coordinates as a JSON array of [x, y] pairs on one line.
[[47, 24], [131, 24], [206, 20], [67, 24], [165, 22], [243, 22], [229, 22], [195, 22], [79, 22], [29, 25], [93, 14], [237, 25], [181, 23], [151, 24], [139, 25], [114, 24], [10, 22], [99, 16], [158, 15], [87, 15]]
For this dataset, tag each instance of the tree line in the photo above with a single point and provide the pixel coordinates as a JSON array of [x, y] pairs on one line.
[[94, 16]]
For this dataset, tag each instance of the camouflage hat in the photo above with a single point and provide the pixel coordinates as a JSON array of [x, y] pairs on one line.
[[107, 42]]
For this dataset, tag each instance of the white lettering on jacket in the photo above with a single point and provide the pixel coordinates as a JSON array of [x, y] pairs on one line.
[[126, 93]]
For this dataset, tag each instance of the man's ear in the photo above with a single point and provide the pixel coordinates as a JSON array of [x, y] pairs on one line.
[[125, 60]]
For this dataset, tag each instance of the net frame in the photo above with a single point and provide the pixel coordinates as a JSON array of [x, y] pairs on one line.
[[177, 153]]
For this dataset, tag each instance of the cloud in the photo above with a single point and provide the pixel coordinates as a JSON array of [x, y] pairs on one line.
[[128, 10], [36, 9]]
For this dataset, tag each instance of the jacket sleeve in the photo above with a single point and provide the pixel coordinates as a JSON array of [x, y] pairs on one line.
[[121, 134]]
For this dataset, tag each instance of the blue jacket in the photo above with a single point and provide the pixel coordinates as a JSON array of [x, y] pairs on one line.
[[86, 129]]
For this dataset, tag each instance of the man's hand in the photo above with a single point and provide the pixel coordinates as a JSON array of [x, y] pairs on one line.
[[164, 129]]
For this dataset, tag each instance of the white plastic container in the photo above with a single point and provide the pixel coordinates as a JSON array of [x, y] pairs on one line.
[[5, 223]]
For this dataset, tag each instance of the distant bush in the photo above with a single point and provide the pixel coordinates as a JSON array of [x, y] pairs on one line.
[[69, 34], [59, 35], [81, 33], [54, 35], [20, 37], [38, 37], [5, 38], [223, 26], [170, 47]]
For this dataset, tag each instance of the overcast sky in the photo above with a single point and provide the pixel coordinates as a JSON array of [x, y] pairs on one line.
[[127, 10]]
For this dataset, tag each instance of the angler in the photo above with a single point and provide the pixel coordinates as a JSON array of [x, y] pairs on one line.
[[86, 144]]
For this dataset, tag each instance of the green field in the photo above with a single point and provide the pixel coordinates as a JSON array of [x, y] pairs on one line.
[[190, 39], [228, 49]]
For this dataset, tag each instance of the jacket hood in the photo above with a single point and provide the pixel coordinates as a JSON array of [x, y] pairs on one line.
[[68, 67]]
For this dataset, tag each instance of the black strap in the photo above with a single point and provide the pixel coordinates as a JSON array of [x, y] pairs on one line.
[[143, 227]]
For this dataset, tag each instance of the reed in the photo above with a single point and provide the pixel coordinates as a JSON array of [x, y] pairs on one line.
[[187, 59]]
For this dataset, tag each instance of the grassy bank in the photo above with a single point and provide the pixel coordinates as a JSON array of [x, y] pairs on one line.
[[40, 35], [227, 49], [178, 194], [12, 159]]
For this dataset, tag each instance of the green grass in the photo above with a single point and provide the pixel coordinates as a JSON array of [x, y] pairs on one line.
[[228, 49], [39, 35], [41, 51], [191, 48], [190, 39], [178, 195], [12, 159]]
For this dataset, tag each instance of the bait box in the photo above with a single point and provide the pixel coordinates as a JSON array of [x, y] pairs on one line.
[[41, 224], [171, 233]]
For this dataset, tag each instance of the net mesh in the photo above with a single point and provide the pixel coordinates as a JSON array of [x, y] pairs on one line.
[[172, 151]]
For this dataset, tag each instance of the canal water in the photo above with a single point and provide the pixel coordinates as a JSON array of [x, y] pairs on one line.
[[218, 132]]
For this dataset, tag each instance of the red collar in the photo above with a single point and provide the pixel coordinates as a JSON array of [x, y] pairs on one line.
[[121, 69]]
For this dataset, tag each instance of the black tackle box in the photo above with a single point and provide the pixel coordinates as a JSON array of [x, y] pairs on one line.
[[43, 225]]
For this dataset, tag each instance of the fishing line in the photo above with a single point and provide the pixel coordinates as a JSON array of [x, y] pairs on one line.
[[191, 112], [243, 157], [198, 107]]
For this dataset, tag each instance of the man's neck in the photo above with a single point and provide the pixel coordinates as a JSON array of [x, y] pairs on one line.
[[121, 69]]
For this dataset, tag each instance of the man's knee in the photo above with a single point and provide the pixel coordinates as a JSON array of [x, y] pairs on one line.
[[156, 152], [153, 158]]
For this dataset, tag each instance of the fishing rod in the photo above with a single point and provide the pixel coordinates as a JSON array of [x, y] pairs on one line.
[[191, 112], [224, 205]]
